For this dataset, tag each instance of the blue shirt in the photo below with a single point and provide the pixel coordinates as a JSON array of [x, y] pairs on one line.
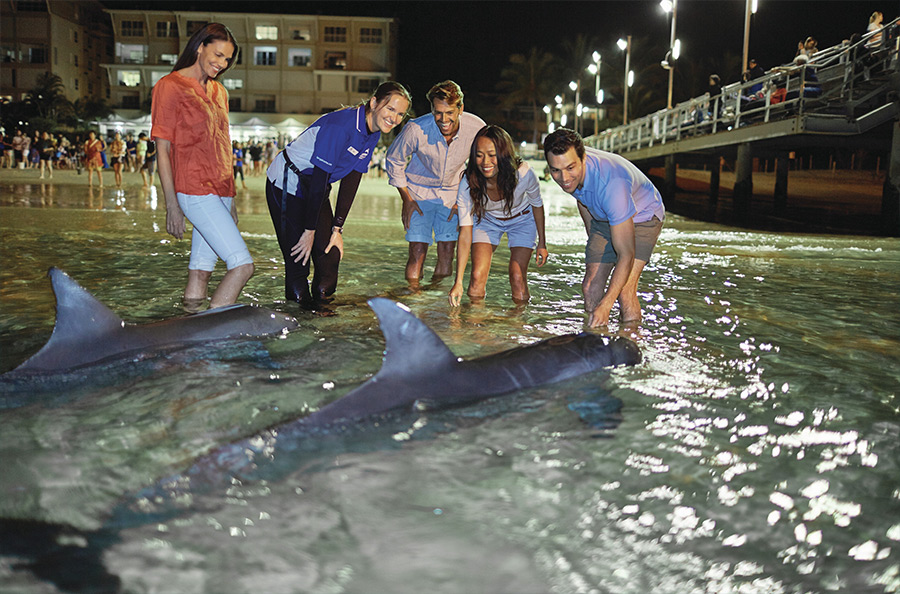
[[338, 143], [615, 190], [421, 160]]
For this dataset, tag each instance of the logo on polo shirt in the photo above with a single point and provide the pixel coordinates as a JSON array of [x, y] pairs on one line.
[[365, 154], [352, 150]]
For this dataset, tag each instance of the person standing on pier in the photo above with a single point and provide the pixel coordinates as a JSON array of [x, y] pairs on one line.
[[337, 146], [190, 126], [424, 163], [623, 215]]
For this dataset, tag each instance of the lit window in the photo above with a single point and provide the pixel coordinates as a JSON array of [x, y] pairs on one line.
[[266, 32], [300, 56], [301, 34], [129, 78], [233, 83], [168, 58], [265, 56]]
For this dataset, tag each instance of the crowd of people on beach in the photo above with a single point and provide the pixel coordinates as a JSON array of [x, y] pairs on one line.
[[461, 182]]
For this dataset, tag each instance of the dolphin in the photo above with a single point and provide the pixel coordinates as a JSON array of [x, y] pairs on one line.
[[88, 332], [418, 373]]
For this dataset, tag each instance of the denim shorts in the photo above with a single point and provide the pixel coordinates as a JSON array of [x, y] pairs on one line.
[[521, 231], [599, 249], [215, 233], [432, 220]]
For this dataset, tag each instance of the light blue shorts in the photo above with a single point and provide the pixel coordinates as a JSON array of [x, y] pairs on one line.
[[521, 231], [432, 220], [215, 233]]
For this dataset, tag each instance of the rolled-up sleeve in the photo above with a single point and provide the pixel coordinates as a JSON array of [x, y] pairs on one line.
[[398, 156], [163, 111], [532, 188], [464, 203]]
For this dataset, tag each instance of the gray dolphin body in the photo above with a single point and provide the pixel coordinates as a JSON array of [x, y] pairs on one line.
[[419, 373], [88, 332]]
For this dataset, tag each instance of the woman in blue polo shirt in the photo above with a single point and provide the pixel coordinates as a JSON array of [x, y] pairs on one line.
[[337, 146]]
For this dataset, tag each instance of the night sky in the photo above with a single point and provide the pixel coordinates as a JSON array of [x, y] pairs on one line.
[[470, 42]]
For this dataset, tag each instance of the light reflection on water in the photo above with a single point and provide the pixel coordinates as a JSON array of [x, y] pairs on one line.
[[755, 449]]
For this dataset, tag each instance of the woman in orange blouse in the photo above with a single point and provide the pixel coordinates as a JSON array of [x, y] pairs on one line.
[[92, 159], [190, 125]]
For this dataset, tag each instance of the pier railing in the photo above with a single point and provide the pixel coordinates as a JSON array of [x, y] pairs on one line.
[[846, 89]]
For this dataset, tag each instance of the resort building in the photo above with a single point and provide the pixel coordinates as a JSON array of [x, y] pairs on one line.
[[290, 70], [67, 38]]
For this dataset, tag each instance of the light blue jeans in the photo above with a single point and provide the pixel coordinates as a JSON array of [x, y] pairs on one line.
[[215, 233]]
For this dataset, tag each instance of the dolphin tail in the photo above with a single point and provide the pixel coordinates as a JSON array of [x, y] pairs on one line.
[[80, 318], [409, 343]]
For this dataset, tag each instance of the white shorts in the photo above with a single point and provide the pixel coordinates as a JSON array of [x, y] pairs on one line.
[[215, 233]]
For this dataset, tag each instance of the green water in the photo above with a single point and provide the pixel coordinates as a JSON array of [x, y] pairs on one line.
[[755, 449]]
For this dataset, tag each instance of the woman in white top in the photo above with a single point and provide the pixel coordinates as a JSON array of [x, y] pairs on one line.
[[499, 193]]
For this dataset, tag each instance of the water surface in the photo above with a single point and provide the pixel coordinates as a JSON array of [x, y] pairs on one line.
[[756, 448]]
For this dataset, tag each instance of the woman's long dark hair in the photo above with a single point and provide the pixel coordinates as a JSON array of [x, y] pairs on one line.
[[508, 162], [204, 36]]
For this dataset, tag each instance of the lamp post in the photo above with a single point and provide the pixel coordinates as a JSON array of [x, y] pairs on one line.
[[625, 45], [576, 86], [594, 69], [749, 9], [674, 45]]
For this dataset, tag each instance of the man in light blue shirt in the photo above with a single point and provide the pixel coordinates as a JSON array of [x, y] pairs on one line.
[[623, 214], [425, 163]]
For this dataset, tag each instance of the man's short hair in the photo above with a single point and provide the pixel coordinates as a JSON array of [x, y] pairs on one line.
[[447, 91], [560, 141]]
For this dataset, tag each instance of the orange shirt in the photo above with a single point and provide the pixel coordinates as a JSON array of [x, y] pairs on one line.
[[195, 121]]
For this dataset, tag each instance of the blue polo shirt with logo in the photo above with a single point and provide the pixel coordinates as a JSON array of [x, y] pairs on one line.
[[338, 143]]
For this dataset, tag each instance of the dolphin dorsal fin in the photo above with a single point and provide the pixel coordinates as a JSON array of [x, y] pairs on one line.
[[409, 344], [79, 316]]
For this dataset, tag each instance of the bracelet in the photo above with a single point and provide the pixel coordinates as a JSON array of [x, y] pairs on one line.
[[339, 230]]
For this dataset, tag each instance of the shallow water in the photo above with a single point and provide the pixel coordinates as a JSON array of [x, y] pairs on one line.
[[756, 448]]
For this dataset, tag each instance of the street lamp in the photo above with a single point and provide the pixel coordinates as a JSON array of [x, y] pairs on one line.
[[625, 46], [674, 45], [750, 9], [594, 68], [576, 86]]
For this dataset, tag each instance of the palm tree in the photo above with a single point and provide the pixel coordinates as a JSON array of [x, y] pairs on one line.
[[48, 97], [528, 80]]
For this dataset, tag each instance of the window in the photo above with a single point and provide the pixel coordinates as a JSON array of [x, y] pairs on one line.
[[233, 83], [194, 26], [31, 6], [366, 85], [265, 103], [37, 55], [299, 56], [90, 65], [155, 76], [74, 36], [336, 34], [168, 58], [76, 84], [266, 32], [370, 35], [301, 34], [265, 55], [234, 104], [336, 60], [129, 78], [166, 29], [75, 60], [132, 28], [131, 53], [131, 101]]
